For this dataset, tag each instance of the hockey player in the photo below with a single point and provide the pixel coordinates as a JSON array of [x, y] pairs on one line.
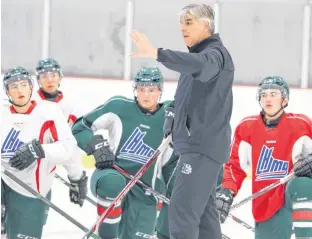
[[273, 144], [135, 130], [49, 75], [36, 137]]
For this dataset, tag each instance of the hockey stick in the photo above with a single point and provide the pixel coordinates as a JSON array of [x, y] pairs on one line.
[[225, 237], [264, 190], [245, 224], [146, 187], [71, 187], [242, 222], [130, 184], [46, 201], [129, 176]]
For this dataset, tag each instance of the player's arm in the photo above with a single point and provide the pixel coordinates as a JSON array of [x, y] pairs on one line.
[[210, 61], [303, 161], [64, 143], [98, 119], [234, 171], [56, 143], [77, 178]]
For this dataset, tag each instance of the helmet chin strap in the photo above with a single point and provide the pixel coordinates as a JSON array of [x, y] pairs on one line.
[[18, 105], [272, 115]]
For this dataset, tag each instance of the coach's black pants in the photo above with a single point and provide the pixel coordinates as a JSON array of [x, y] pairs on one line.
[[192, 210]]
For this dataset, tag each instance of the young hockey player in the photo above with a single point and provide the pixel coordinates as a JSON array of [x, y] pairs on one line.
[[135, 130], [36, 137], [273, 143], [49, 75]]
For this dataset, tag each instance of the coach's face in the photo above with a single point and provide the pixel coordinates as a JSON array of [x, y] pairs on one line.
[[193, 31]]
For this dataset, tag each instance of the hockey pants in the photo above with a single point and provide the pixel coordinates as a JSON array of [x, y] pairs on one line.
[[133, 218], [25, 216]]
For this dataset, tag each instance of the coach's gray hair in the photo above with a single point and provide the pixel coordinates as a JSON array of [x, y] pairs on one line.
[[200, 12]]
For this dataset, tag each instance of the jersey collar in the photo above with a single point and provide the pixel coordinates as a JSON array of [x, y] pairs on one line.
[[30, 109], [56, 100]]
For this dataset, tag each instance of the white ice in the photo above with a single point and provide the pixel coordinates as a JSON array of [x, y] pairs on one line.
[[59, 228]]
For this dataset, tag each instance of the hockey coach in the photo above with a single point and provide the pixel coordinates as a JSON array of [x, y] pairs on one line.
[[199, 120]]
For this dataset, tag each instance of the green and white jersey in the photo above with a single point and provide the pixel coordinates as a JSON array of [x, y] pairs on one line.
[[133, 136]]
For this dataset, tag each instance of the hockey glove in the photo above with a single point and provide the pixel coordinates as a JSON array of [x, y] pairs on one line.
[[303, 168], [224, 200], [3, 212], [79, 190], [169, 118], [25, 155], [99, 148]]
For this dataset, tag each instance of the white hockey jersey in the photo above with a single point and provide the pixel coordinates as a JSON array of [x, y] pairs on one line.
[[66, 107], [44, 122], [74, 168]]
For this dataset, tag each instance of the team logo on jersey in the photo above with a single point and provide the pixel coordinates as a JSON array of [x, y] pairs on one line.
[[10, 144], [269, 168], [135, 149]]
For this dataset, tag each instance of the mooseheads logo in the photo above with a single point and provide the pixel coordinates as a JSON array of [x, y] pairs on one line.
[[135, 149], [10, 144], [269, 168]]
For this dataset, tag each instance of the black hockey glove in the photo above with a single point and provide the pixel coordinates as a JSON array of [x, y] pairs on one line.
[[169, 119], [303, 168], [25, 155], [224, 200], [99, 148], [79, 190], [3, 212]]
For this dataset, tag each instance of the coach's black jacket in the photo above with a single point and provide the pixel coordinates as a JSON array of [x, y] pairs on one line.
[[203, 99]]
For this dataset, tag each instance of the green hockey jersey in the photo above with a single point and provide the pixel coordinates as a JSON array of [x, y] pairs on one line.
[[133, 137]]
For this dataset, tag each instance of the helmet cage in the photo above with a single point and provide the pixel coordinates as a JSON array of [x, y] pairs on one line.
[[264, 87], [14, 78]]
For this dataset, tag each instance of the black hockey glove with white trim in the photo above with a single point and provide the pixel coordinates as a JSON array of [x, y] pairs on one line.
[[103, 155], [169, 119], [224, 200], [25, 155], [303, 168], [79, 190]]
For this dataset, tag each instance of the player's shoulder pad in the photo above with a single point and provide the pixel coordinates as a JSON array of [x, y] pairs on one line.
[[118, 101], [167, 102], [49, 110], [114, 104], [301, 119], [249, 120]]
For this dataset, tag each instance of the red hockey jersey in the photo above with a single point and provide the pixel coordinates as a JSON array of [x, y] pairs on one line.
[[271, 153]]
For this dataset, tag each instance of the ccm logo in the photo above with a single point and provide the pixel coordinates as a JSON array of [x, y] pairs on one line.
[[26, 237], [143, 235]]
